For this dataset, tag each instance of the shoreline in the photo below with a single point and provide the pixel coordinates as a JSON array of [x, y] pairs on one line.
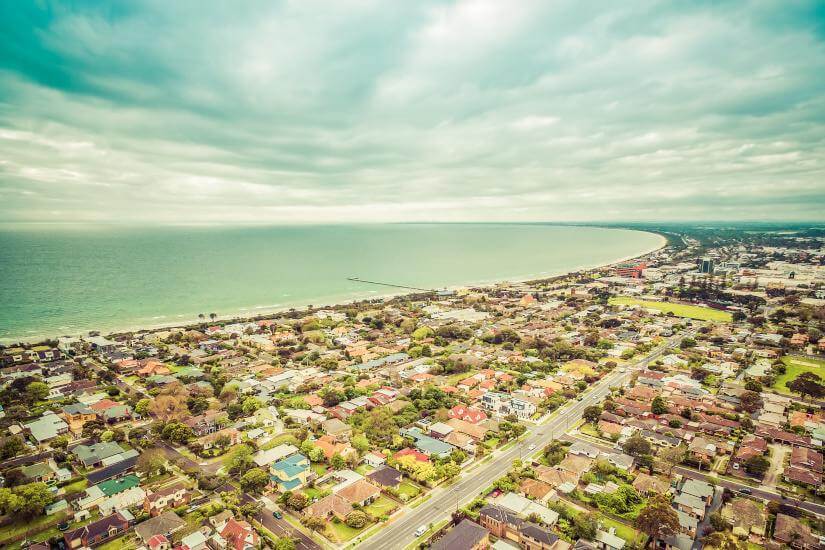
[[251, 314]]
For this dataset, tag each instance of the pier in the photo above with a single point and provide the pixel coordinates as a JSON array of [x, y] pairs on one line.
[[359, 280]]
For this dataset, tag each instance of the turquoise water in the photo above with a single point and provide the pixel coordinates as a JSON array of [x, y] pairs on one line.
[[70, 279]]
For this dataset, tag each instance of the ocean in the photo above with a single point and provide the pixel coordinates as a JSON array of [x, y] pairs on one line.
[[68, 279]]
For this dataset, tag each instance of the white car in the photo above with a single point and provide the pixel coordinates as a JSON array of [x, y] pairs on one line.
[[531, 447]]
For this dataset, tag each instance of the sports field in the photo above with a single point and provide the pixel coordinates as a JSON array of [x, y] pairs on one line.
[[680, 310], [796, 366]]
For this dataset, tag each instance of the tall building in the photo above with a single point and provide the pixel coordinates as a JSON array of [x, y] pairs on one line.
[[705, 265]]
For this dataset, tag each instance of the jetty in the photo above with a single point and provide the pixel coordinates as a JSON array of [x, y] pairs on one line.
[[360, 280]]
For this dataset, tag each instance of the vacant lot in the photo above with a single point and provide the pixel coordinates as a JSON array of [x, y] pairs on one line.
[[794, 367], [680, 310]]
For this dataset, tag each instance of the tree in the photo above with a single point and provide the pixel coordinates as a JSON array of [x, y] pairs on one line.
[[585, 526], [360, 443], [673, 456], [297, 501], [151, 462], [807, 383], [142, 406], [356, 519], [718, 522], [250, 405], [657, 518], [450, 470], [757, 465], [37, 391], [724, 540], [26, 500], [337, 462], [176, 432], [283, 543], [750, 401], [659, 405], [13, 445], [254, 480], [380, 426], [687, 343], [170, 404], [592, 413], [314, 522], [753, 385], [239, 460], [636, 446]]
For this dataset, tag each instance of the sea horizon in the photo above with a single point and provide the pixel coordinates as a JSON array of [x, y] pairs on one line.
[[128, 311]]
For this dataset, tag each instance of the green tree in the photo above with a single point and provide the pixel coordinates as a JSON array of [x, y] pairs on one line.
[[585, 526], [297, 501], [142, 406], [12, 446], [151, 462], [807, 383], [337, 462], [239, 460], [250, 405], [757, 465], [360, 443], [254, 480], [659, 405], [636, 445], [592, 413], [37, 391], [657, 518], [724, 540], [356, 519], [283, 543]]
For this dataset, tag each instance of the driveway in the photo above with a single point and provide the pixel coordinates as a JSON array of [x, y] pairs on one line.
[[778, 453]]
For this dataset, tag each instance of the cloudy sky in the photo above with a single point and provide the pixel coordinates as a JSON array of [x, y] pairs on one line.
[[177, 111]]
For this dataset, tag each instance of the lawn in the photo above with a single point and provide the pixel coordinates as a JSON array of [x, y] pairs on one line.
[[124, 542], [680, 310], [454, 379], [589, 429], [32, 525], [794, 366], [341, 532], [381, 506], [319, 468], [76, 486], [364, 469], [624, 531], [408, 489]]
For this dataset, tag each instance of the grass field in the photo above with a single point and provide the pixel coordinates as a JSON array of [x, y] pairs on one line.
[[796, 366], [407, 488], [342, 532], [680, 310], [381, 506], [624, 531]]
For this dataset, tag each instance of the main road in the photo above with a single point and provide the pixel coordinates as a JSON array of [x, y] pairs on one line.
[[444, 500]]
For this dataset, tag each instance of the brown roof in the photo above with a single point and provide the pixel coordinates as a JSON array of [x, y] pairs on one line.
[[785, 528], [476, 431], [649, 484], [555, 477], [535, 488], [576, 464], [330, 504], [359, 491]]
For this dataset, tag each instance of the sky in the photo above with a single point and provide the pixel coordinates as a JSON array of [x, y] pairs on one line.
[[375, 111]]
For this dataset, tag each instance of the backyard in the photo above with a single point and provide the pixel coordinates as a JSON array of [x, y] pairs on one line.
[[409, 490], [381, 507], [680, 310], [794, 366]]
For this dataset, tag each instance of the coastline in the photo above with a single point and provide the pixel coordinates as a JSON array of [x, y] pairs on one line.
[[252, 313]]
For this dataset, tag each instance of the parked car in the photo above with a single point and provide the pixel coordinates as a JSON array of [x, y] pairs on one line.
[[277, 514]]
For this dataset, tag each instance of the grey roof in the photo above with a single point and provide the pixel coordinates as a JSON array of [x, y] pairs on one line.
[[167, 522], [463, 536], [90, 454]]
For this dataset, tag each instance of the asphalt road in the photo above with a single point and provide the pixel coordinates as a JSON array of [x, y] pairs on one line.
[[445, 500], [281, 527], [734, 486]]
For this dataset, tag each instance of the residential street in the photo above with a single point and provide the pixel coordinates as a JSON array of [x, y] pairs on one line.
[[445, 500]]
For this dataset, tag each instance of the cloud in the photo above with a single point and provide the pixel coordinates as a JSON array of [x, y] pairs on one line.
[[375, 111]]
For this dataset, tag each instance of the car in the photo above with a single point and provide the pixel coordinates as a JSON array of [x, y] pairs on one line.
[[277, 514], [746, 491], [579, 398], [63, 526], [420, 531], [531, 447]]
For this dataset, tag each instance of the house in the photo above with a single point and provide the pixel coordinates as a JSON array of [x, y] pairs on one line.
[[467, 535], [172, 496], [91, 456], [504, 524], [467, 414], [536, 489], [47, 427], [330, 506], [575, 464], [789, 530], [165, 524], [338, 430], [291, 473], [229, 435], [331, 447], [194, 541], [747, 518], [360, 493], [97, 532], [122, 500], [648, 485], [386, 477], [699, 489], [525, 507], [38, 472], [77, 415], [374, 459], [159, 542], [607, 540], [239, 535]]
